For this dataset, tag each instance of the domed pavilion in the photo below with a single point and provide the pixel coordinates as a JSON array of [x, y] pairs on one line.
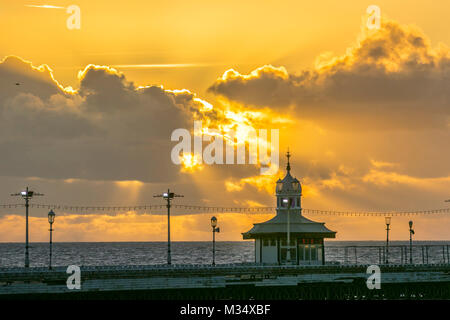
[[289, 237]]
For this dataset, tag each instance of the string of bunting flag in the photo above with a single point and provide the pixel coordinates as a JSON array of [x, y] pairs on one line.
[[12, 205], [207, 209]]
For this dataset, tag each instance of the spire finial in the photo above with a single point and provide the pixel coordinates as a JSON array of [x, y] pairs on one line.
[[288, 167]]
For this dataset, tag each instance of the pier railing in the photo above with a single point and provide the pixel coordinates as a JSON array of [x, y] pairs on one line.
[[343, 254], [395, 254]]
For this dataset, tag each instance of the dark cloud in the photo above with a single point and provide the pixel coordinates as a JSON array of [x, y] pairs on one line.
[[36, 81], [393, 78], [108, 130]]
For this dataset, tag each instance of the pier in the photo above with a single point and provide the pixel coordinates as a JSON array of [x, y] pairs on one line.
[[229, 281], [291, 261]]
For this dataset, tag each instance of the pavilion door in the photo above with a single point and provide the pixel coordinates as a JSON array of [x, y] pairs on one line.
[[284, 248]]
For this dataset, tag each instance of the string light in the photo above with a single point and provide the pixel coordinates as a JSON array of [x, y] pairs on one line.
[[204, 209]]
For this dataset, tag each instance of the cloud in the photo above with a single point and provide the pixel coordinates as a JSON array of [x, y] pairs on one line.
[[392, 78], [128, 227], [18, 75], [383, 178], [260, 182], [108, 129], [382, 164], [157, 66]]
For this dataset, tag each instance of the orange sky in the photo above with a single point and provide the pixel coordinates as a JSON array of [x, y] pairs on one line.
[[131, 227], [215, 36], [365, 113]]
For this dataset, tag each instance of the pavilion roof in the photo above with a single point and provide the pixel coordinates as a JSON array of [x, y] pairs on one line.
[[298, 225]]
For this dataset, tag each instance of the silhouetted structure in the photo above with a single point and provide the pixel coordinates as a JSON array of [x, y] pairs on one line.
[[289, 237]]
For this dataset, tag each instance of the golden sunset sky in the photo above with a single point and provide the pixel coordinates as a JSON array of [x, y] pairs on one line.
[[365, 113]]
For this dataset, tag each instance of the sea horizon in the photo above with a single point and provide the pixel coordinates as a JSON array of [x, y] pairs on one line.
[[200, 252]]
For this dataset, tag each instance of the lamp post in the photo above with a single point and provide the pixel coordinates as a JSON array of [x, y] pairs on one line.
[[51, 219], [411, 232], [168, 196], [214, 230], [288, 252], [26, 195], [388, 223]]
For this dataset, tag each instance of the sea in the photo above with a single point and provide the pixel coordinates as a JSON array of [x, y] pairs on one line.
[[227, 252]]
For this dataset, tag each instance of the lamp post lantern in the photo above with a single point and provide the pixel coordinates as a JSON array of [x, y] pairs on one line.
[[168, 196], [214, 230], [51, 219], [388, 223], [27, 194], [411, 232]]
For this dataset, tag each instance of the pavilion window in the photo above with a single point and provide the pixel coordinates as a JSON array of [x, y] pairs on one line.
[[283, 254], [301, 252], [279, 186], [266, 242], [293, 254], [313, 252], [307, 253]]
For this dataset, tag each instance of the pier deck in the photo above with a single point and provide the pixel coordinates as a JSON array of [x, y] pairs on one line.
[[243, 281]]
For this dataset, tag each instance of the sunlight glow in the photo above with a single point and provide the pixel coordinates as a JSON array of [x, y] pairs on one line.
[[190, 163], [43, 6]]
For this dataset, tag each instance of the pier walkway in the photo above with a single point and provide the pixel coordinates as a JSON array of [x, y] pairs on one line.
[[233, 281]]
